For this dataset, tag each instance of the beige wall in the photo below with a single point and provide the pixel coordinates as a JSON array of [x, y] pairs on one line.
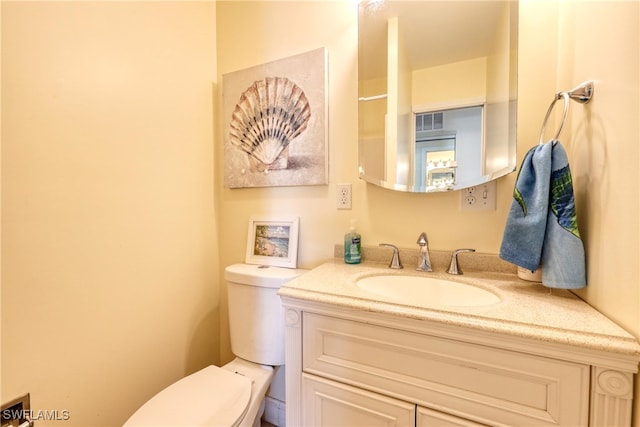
[[601, 138], [603, 143], [604, 150], [469, 80], [108, 232], [251, 33], [113, 204], [557, 51]]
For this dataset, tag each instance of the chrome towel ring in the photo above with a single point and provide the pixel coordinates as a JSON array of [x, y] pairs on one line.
[[581, 93]]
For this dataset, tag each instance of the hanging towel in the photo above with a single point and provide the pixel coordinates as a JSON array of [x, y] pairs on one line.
[[542, 226], [562, 252], [527, 220]]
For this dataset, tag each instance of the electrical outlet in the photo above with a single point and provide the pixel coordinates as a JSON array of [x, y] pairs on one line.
[[343, 196], [479, 198]]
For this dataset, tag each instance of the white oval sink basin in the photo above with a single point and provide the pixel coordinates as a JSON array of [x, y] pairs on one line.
[[426, 291]]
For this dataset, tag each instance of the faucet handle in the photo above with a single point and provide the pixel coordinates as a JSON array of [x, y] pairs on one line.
[[454, 268], [395, 260]]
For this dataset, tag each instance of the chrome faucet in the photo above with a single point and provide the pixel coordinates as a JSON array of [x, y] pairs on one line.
[[424, 263], [395, 259], [454, 268]]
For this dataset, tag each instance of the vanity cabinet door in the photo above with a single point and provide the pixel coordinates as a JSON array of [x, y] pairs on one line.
[[329, 403], [430, 418]]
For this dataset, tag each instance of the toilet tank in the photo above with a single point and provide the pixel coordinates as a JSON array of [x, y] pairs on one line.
[[256, 315]]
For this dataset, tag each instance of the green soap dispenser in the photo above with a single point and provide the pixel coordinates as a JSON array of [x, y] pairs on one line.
[[352, 246]]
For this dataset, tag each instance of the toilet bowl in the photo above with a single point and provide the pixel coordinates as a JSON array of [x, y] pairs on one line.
[[231, 395], [228, 396]]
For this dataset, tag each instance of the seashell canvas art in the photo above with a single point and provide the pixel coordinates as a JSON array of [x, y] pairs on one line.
[[271, 113], [275, 123]]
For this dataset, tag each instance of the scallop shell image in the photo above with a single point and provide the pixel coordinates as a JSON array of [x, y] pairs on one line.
[[270, 114]]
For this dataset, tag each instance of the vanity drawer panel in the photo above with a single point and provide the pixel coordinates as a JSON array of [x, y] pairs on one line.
[[477, 382], [330, 403], [428, 418]]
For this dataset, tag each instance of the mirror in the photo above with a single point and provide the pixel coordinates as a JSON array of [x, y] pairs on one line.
[[437, 87]]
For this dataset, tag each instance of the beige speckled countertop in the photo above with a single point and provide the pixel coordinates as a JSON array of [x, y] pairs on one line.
[[526, 309]]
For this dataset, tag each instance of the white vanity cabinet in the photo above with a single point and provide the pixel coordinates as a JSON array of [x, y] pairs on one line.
[[401, 369], [350, 362]]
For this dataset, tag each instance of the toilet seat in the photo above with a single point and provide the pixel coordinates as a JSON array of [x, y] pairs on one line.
[[211, 396]]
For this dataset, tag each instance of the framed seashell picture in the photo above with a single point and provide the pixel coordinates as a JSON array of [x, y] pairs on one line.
[[275, 123]]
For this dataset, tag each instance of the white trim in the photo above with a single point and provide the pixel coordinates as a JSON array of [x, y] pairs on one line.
[[449, 104], [274, 412]]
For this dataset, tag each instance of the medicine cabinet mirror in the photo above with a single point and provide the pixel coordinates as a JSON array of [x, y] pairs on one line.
[[437, 93]]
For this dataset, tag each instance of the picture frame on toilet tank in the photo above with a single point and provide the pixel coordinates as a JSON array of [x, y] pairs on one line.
[[273, 241]]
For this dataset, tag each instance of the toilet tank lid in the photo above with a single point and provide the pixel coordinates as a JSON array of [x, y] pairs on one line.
[[211, 396], [260, 275]]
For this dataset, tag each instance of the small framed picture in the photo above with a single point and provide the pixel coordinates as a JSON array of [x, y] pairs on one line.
[[273, 241]]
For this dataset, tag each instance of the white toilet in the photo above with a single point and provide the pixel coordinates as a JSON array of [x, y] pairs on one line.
[[232, 395]]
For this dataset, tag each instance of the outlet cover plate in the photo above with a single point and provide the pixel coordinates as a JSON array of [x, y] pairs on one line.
[[480, 197], [343, 196]]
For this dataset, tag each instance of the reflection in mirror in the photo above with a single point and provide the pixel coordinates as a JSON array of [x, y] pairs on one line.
[[437, 92], [444, 139]]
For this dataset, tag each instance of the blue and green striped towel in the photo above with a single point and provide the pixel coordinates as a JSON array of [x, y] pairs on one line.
[[542, 226]]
